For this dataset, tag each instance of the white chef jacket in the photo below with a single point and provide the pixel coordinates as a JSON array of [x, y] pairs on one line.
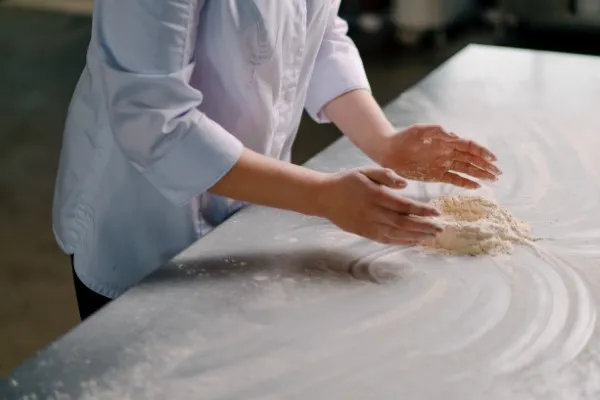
[[171, 93]]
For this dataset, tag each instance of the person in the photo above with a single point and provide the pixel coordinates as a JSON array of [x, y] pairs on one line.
[[187, 110]]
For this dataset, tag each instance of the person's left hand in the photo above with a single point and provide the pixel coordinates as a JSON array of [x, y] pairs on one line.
[[429, 153]]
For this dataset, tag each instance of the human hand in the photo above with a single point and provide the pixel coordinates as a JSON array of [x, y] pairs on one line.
[[362, 202], [428, 153]]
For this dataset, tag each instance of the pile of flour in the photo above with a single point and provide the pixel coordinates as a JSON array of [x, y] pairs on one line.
[[475, 225]]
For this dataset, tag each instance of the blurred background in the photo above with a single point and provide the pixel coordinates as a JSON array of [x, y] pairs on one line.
[[42, 53]]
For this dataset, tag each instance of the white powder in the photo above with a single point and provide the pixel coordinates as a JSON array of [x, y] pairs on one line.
[[475, 225]]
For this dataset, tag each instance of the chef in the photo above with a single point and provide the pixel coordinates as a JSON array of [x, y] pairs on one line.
[[187, 110]]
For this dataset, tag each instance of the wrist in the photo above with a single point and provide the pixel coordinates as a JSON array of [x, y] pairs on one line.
[[381, 148], [376, 142], [318, 195]]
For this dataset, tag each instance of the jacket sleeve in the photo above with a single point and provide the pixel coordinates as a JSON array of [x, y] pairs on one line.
[[146, 49], [338, 70]]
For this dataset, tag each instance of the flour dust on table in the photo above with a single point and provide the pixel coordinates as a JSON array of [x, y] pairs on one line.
[[273, 305], [476, 225]]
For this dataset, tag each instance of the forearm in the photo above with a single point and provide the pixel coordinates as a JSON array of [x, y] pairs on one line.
[[361, 119], [258, 179]]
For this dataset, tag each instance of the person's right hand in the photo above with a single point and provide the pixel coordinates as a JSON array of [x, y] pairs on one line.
[[361, 202]]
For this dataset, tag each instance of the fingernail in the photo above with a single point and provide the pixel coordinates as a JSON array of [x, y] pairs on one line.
[[489, 157], [434, 212]]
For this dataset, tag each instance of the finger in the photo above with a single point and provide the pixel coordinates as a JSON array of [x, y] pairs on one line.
[[458, 180], [472, 170], [406, 222], [419, 224], [393, 202], [469, 146], [477, 161], [385, 176]]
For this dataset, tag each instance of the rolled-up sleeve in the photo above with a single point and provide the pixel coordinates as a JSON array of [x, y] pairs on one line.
[[146, 49], [338, 70]]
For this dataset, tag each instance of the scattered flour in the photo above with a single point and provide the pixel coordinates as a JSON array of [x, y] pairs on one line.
[[475, 225]]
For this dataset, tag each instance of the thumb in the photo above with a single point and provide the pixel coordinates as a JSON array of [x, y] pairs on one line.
[[385, 177]]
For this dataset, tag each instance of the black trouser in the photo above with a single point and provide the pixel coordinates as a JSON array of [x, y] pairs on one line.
[[88, 301]]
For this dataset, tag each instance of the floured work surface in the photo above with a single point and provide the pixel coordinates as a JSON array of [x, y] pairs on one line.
[[273, 305]]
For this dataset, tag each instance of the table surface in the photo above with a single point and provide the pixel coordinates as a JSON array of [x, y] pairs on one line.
[[276, 305]]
